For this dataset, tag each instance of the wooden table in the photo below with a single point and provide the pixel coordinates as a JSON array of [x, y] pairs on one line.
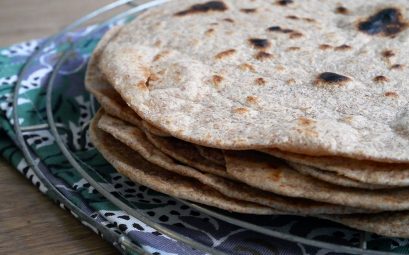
[[29, 222]]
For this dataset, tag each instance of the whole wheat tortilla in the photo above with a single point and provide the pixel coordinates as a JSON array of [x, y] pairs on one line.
[[364, 171], [135, 138], [274, 175], [129, 163], [107, 97], [325, 175], [336, 170], [331, 83], [214, 155], [393, 224], [334, 178]]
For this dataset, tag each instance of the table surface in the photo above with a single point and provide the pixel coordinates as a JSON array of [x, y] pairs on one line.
[[29, 222]]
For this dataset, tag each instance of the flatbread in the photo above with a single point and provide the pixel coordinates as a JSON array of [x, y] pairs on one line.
[[334, 178], [131, 164], [214, 155], [364, 171], [274, 175], [393, 224], [106, 96], [135, 138], [345, 171], [331, 83]]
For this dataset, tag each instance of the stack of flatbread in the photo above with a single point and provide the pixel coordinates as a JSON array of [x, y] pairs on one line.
[[263, 107]]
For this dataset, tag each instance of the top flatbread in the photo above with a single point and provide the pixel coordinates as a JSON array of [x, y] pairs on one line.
[[329, 83]]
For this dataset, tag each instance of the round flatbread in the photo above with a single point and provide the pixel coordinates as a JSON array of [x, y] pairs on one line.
[[364, 171], [135, 138], [334, 170], [331, 83], [334, 178], [270, 174], [338, 170], [132, 165]]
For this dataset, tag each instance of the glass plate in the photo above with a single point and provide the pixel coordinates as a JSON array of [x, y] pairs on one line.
[[178, 219]]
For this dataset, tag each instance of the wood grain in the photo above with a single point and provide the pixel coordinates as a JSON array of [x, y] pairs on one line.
[[29, 222]]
